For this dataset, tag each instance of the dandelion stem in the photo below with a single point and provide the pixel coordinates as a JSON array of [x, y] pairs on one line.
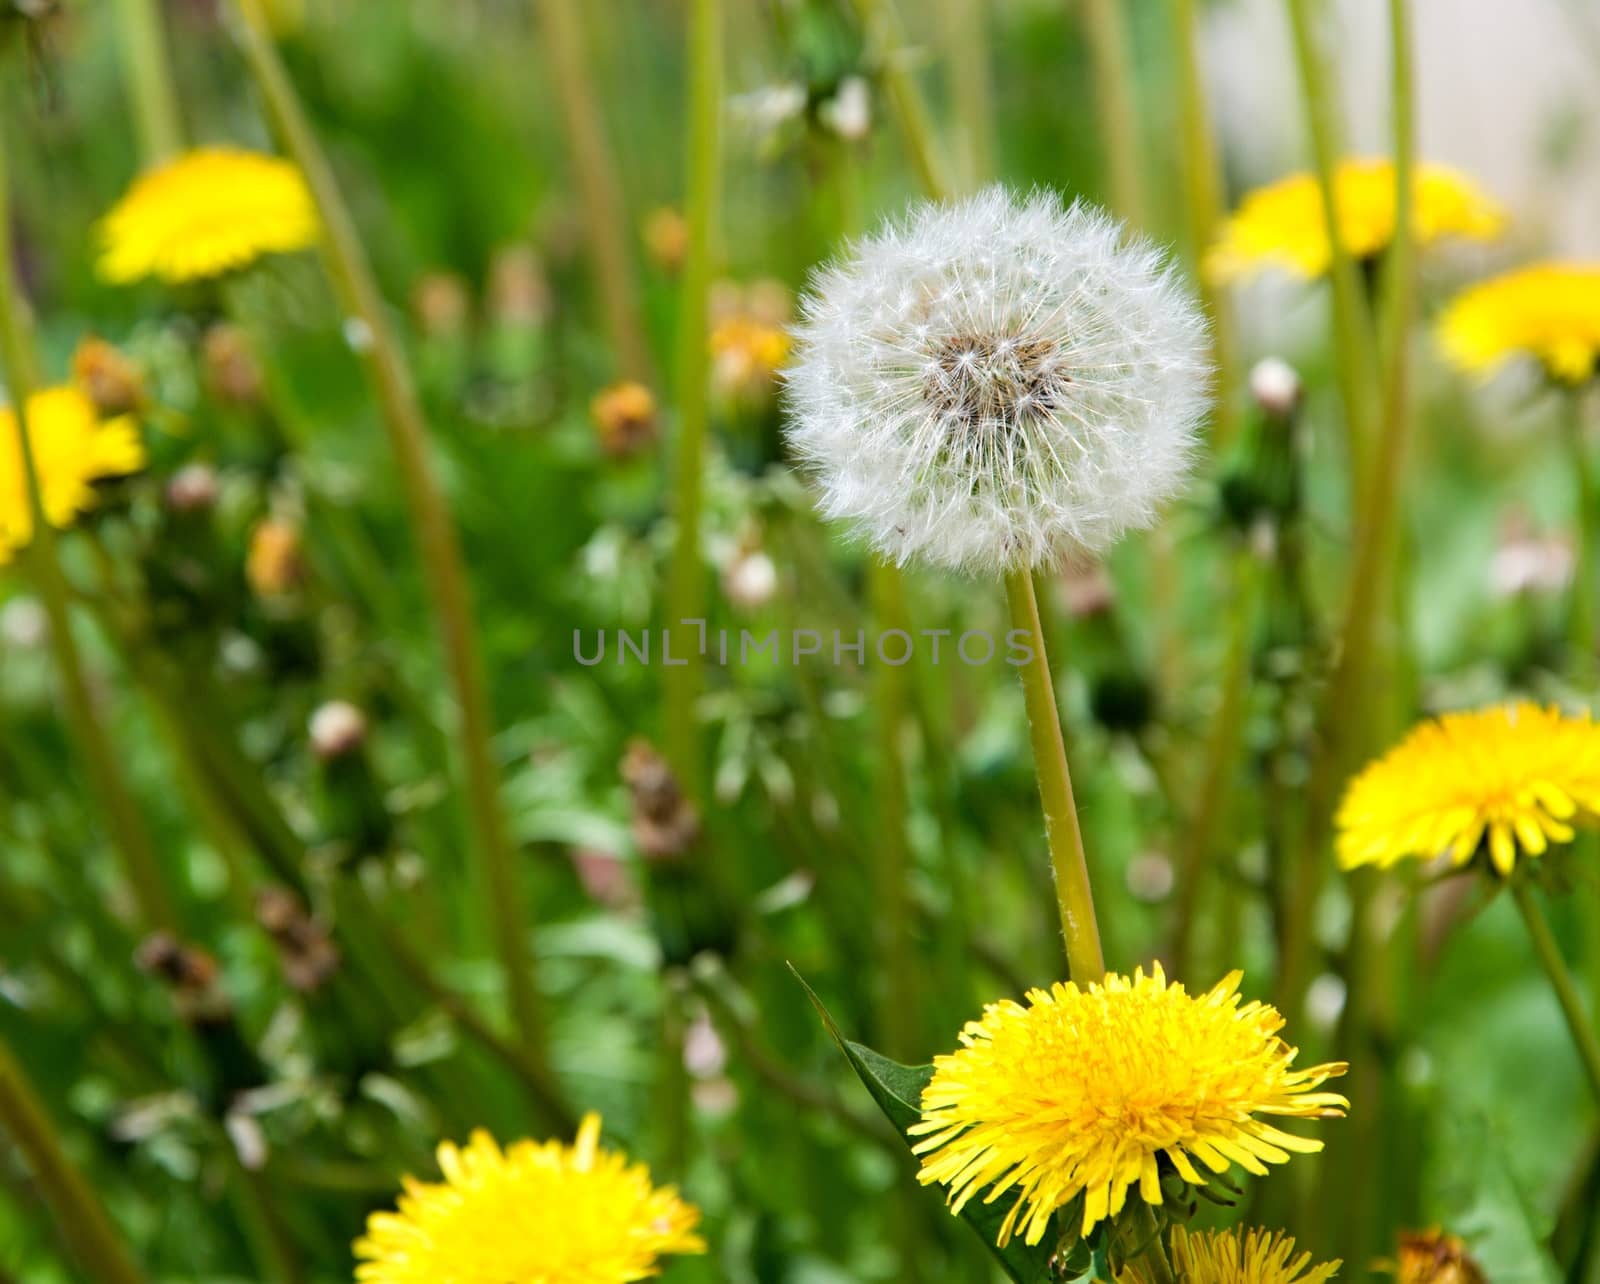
[[150, 85], [886, 38], [82, 1221], [1116, 106], [966, 31], [598, 185], [127, 829], [1352, 342], [1581, 622], [357, 292], [1555, 968], [686, 582], [1074, 897]]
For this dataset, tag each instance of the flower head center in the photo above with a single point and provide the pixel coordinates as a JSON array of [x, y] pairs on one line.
[[1001, 381]]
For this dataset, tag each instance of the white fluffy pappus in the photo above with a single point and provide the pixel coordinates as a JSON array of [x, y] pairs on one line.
[[998, 383]]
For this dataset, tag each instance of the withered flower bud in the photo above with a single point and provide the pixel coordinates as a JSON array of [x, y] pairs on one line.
[[1275, 385], [232, 372], [275, 565], [441, 305], [109, 377], [519, 294], [337, 728], [190, 973], [308, 957], [1432, 1257], [665, 824], [624, 417], [193, 488], [1088, 591], [666, 238]]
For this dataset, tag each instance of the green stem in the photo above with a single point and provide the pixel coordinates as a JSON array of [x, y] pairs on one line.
[[686, 582], [127, 829], [886, 38], [1116, 106], [1555, 968], [81, 1220], [357, 292], [1142, 1220], [966, 31], [1222, 753], [1376, 485], [598, 186], [150, 83], [1581, 621], [1074, 897], [1352, 342], [891, 857]]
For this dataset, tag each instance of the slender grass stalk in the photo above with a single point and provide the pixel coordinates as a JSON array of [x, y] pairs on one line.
[[1581, 615], [600, 190], [891, 866], [1376, 485], [686, 580], [1222, 753], [966, 31], [1074, 898], [886, 38], [1352, 342], [127, 829], [1116, 107], [1584, 1038], [357, 292], [81, 1220], [152, 98]]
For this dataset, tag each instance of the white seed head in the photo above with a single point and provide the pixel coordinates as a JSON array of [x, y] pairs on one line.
[[998, 383]]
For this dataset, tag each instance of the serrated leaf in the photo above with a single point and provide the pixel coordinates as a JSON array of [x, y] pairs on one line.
[[897, 1089]]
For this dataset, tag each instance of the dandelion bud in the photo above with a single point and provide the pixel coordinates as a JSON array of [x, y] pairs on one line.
[[109, 378], [337, 728], [998, 384], [624, 417], [1432, 1257], [519, 294], [192, 975], [1275, 385], [666, 238], [232, 372], [275, 565], [193, 488], [665, 824], [441, 305], [308, 957], [849, 112], [750, 579]]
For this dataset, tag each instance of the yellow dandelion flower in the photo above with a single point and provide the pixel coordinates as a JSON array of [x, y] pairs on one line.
[[210, 211], [1518, 775], [1092, 1091], [534, 1213], [1549, 312], [1282, 225], [73, 448], [1232, 1257]]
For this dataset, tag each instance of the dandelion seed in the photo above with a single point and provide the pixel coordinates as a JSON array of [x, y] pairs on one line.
[[1088, 1094], [998, 384], [73, 448], [1236, 1257], [1516, 779], [209, 212], [533, 1213], [1283, 226], [1549, 313]]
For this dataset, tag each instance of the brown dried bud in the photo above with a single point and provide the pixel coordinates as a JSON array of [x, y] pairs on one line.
[[1088, 591], [308, 957], [666, 238], [1432, 1257], [441, 305], [337, 728], [108, 377], [232, 372], [193, 489], [624, 417], [519, 295], [190, 973], [604, 879], [275, 565], [665, 824]]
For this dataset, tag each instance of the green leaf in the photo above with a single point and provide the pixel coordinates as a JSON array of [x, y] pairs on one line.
[[898, 1091]]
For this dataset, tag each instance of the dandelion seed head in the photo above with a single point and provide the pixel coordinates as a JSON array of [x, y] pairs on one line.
[[998, 383]]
